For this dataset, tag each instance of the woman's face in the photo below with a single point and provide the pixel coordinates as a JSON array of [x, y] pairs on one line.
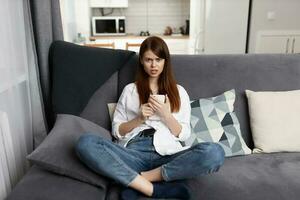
[[153, 65]]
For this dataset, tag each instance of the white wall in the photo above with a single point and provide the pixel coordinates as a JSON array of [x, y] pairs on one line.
[[82, 14], [286, 17], [67, 8], [75, 18]]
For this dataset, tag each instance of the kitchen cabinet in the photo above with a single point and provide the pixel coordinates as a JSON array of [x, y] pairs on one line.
[[296, 44], [108, 3], [278, 42], [177, 46]]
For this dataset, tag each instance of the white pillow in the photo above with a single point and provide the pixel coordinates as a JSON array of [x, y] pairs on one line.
[[111, 109], [275, 120]]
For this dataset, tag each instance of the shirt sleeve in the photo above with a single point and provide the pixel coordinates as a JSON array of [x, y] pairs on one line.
[[120, 114], [184, 115]]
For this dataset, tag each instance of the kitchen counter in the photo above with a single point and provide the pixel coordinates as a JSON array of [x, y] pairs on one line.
[[133, 36], [178, 44]]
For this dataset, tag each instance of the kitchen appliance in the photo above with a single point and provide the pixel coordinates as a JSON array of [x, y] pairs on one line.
[[108, 25]]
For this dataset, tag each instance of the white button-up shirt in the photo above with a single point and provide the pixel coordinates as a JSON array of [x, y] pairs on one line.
[[165, 143]]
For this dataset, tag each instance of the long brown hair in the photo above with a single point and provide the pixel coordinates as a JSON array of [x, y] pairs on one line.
[[166, 82]]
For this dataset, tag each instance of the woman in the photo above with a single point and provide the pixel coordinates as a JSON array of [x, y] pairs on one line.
[[150, 155]]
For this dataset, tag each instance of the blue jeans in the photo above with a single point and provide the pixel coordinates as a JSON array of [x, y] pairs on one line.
[[123, 164]]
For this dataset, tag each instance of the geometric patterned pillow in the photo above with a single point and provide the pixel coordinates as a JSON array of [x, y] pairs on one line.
[[213, 120]]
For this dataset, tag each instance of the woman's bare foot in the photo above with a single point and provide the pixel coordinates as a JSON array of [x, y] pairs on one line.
[[153, 175]]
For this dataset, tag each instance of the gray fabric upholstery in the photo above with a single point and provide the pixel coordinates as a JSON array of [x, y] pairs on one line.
[[39, 184], [96, 109], [57, 152], [210, 75], [259, 176], [77, 74], [127, 73]]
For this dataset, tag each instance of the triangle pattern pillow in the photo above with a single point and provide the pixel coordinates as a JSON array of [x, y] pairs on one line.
[[214, 120]]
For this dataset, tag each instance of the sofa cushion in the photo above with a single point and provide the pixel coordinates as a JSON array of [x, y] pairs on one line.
[[274, 120], [40, 184], [78, 71], [256, 176], [96, 110], [57, 153], [111, 109], [213, 120]]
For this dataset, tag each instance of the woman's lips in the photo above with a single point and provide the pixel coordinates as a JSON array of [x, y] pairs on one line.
[[153, 71]]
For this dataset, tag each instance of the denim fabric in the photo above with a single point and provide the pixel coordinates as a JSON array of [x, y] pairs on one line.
[[124, 164]]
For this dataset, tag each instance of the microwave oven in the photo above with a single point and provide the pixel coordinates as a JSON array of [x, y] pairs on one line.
[[108, 25]]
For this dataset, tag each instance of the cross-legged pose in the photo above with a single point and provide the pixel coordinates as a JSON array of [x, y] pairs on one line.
[[151, 121]]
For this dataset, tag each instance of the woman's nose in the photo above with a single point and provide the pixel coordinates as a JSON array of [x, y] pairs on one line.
[[153, 64]]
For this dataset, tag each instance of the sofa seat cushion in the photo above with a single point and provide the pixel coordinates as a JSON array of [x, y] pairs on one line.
[[273, 176], [265, 176], [40, 184]]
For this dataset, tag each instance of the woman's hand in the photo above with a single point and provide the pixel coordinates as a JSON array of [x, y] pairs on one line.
[[145, 111], [161, 109]]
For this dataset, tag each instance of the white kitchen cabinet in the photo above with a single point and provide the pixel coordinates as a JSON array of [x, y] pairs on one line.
[[278, 42], [177, 46], [296, 44], [108, 3]]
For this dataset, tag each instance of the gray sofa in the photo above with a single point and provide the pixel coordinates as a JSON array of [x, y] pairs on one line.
[[85, 79]]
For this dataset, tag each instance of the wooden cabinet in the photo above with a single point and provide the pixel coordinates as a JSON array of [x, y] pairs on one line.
[[278, 42], [108, 3]]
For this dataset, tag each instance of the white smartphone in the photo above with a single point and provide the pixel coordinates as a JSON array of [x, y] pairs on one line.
[[161, 98]]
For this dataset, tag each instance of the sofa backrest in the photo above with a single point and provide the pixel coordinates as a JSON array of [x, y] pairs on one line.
[[210, 75], [85, 79], [77, 72]]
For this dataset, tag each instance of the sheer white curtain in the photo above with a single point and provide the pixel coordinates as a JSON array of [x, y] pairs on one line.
[[21, 117]]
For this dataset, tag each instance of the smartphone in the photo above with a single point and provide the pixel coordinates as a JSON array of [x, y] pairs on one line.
[[161, 98]]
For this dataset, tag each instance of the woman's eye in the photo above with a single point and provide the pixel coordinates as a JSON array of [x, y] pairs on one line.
[[158, 59]]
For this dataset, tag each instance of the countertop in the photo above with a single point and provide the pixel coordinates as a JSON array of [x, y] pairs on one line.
[[133, 36]]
